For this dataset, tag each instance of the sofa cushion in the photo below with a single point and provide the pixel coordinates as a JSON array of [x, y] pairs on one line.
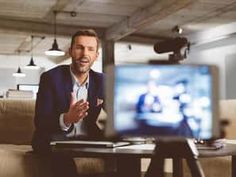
[[228, 111], [17, 160], [16, 121]]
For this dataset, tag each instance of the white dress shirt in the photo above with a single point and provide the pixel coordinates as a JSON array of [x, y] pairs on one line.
[[81, 92]]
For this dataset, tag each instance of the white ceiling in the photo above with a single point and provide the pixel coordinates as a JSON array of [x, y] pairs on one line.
[[136, 20]]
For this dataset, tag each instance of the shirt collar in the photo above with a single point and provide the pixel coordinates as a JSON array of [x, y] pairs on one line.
[[75, 80]]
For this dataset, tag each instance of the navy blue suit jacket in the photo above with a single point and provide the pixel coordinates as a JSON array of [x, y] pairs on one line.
[[53, 99]]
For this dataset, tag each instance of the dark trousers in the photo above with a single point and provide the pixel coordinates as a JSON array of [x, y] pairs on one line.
[[63, 166]]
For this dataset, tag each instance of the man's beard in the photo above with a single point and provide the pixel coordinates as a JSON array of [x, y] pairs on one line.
[[79, 68], [82, 69]]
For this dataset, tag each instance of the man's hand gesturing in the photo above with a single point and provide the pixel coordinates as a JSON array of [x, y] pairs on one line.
[[77, 111]]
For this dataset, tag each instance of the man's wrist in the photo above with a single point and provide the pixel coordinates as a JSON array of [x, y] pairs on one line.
[[65, 120], [63, 126]]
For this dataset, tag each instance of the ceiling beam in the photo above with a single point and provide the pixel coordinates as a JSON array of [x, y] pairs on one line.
[[221, 32], [145, 17], [45, 29], [143, 39], [42, 28], [59, 6]]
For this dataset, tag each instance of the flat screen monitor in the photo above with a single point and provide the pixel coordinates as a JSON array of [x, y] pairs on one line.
[[162, 100]]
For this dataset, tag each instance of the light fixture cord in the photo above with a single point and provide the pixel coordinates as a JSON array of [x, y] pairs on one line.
[[19, 61], [55, 23], [32, 38]]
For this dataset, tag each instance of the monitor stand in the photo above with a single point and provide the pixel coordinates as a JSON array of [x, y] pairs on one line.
[[177, 149]]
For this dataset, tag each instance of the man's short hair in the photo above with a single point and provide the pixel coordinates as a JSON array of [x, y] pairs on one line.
[[85, 32]]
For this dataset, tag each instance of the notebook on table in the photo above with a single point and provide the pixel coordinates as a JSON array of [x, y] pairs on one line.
[[85, 143]]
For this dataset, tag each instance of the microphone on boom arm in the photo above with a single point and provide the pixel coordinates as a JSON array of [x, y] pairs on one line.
[[178, 46]]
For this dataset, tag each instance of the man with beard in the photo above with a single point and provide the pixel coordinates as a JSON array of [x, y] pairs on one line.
[[69, 100]]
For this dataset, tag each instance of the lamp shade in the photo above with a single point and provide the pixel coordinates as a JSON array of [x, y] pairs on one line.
[[31, 64], [19, 73], [55, 51]]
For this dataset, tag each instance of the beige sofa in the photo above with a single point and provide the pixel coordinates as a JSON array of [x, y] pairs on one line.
[[16, 128], [16, 158]]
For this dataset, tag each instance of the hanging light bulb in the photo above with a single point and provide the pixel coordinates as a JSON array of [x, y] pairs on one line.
[[176, 29], [55, 51], [31, 64], [19, 73]]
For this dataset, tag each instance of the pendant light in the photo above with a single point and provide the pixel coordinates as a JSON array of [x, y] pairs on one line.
[[55, 51], [19, 73], [31, 64]]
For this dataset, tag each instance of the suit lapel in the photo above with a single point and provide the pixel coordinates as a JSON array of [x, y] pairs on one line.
[[92, 97], [68, 85]]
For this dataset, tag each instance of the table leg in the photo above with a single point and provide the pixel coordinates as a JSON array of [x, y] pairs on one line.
[[128, 167], [177, 167], [156, 167], [233, 167]]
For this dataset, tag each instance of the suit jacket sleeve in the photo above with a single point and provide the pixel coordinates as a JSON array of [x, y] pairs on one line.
[[46, 114]]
